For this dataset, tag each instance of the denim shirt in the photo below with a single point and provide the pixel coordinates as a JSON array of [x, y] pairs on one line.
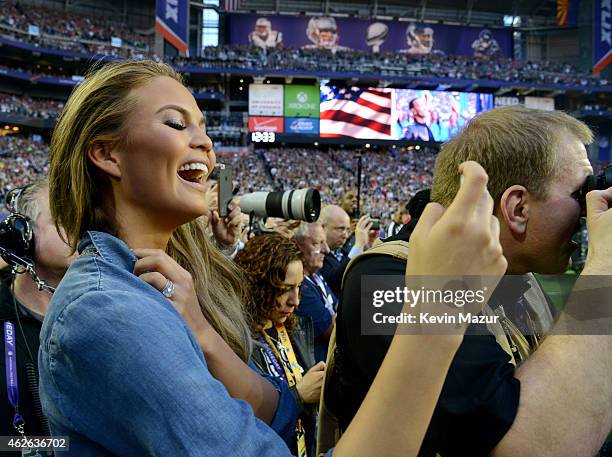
[[122, 374]]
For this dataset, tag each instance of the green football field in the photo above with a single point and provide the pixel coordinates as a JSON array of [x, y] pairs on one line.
[[557, 288]]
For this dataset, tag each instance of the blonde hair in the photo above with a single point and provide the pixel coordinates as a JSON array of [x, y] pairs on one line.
[[514, 144], [96, 113]]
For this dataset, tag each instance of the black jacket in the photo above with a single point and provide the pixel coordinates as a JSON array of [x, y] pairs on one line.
[[27, 343], [333, 270], [303, 345]]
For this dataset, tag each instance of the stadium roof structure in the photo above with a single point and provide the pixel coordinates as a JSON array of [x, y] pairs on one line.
[[466, 12]]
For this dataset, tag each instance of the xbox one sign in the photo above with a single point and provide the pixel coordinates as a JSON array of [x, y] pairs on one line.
[[301, 101]]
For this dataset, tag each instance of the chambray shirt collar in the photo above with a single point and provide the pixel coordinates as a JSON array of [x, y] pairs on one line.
[[110, 248]]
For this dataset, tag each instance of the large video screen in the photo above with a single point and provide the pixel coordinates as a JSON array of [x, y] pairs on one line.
[[397, 114], [362, 112], [341, 34]]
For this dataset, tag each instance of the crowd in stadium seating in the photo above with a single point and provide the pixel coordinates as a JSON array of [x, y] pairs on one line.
[[332, 172], [22, 160], [394, 64], [59, 30], [307, 167], [389, 170], [70, 31], [30, 107], [249, 171], [335, 172]]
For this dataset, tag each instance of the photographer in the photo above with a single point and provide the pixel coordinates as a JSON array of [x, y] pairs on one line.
[[518, 394]]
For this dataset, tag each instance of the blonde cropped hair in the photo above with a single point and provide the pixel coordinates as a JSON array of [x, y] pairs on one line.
[[514, 144], [95, 113]]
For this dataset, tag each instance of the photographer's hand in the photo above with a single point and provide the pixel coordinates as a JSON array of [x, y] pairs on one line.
[[362, 231], [599, 225]]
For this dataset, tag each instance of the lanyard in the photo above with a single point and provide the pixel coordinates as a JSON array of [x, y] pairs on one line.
[[274, 367], [12, 389], [328, 298], [293, 371]]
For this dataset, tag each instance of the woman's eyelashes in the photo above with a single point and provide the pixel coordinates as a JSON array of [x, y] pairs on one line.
[[177, 125]]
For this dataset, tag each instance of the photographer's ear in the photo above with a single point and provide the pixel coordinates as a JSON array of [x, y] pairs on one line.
[[105, 157], [514, 206]]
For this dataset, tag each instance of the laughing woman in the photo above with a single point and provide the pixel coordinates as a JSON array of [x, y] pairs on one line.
[[146, 314]]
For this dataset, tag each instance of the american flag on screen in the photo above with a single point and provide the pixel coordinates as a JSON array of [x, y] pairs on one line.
[[356, 112]]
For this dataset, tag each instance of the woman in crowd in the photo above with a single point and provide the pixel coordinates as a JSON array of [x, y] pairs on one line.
[[283, 342], [149, 311]]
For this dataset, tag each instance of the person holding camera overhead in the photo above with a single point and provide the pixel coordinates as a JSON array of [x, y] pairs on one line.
[[143, 316]]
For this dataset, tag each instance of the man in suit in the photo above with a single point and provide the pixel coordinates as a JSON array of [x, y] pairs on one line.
[[337, 226], [317, 301]]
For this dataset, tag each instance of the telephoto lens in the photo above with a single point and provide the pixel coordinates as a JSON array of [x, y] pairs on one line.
[[298, 204]]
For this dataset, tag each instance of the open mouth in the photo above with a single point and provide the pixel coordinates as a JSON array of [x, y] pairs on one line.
[[194, 172]]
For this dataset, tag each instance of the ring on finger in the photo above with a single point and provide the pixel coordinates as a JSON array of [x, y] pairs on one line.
[[168, 290]]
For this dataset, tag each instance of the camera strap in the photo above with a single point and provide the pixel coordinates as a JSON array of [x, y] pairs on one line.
[[12, 387]]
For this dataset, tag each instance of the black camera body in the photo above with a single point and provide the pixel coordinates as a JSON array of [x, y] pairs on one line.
[[601, 181], [16, 233]]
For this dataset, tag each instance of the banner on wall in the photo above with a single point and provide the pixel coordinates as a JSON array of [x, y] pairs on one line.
[[337, 34], [266, 99], [301, 101], [171, 22], [266, 124], [602, 34], [300, 125], [543, 103]]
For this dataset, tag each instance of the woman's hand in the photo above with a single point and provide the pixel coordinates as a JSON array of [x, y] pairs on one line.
[[227, 230], [310, 386], [156, 267]]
